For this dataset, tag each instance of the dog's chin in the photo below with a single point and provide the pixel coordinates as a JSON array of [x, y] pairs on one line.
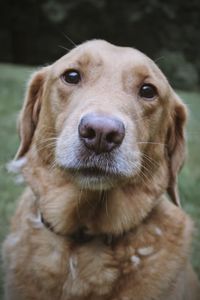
[[95, 183], [95, 179]]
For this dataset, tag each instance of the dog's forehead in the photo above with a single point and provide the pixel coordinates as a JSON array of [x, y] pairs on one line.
[[102, 52], [105, 49]]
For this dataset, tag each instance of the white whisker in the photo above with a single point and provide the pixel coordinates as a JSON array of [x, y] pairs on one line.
[[152, 143], [62, 47], [70, 40]]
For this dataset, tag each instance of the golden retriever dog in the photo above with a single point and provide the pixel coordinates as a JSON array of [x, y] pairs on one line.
[[102, 143]]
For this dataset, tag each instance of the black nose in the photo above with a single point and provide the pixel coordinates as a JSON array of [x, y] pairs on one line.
[[101, 133]]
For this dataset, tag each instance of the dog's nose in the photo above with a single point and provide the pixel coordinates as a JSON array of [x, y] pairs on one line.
[[101, 133]]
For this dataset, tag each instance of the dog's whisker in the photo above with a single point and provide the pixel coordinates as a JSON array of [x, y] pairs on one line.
[[47, 140], [69, 39], [148, 158], [45, 145], [146, 180], [152, 143], [53, 165], [149, 175], [150, 161], [139, 170], [62, 47], [52, 128]]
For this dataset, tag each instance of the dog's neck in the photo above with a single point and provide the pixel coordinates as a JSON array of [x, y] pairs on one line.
[[80, 236], [67, 208], [107, 233], [107, 213]]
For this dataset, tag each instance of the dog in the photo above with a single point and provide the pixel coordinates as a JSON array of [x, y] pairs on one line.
[[102, 142]]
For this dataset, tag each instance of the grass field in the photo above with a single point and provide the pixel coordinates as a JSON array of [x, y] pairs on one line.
[[12, 85]]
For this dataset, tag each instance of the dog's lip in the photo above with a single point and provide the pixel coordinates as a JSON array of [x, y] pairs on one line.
[[93, 172]]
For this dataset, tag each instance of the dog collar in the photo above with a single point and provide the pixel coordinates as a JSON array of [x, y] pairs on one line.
[[80, 236]]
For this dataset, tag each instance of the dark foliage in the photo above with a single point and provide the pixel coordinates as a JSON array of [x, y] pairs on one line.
[[32, 31]]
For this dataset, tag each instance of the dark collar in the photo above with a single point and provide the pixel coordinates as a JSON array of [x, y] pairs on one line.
[[80, 236]]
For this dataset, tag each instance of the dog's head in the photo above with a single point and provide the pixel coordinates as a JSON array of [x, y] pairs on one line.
[[106, 115]]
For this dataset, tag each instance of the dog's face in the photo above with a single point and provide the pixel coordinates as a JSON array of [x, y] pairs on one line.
[[106, 115]]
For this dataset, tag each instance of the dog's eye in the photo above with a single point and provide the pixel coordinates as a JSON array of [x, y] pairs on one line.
[[71, 76], [148, 91]]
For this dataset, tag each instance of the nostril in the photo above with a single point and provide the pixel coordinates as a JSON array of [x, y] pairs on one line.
[[88, 133], [109, 137], [114, 137]]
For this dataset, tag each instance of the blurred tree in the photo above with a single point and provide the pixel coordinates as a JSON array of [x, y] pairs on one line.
[[32, 30]]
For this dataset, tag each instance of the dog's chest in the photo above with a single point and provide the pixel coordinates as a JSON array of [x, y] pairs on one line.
[[96, 269], [124, 269]]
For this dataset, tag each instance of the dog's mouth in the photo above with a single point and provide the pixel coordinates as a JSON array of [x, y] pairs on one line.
[[95, 178], [95, 175], [93, 172], [99, 172]]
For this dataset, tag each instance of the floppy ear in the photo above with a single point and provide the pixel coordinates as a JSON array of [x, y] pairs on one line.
[[30, 111], [176, 147]]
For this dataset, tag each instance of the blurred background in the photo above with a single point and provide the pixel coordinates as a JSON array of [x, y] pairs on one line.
[[37, 32], [32, 32]]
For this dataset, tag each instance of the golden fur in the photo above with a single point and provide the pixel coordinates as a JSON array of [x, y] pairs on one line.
[[139, 240]]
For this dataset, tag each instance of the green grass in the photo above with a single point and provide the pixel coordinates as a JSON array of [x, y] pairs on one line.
[[190, 175], [12, 86]]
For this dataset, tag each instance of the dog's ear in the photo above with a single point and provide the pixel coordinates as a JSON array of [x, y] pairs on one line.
[[176, 149], [30, 111]]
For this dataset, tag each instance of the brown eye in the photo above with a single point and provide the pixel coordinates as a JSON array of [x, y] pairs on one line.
[[148, 91], [72, 76]]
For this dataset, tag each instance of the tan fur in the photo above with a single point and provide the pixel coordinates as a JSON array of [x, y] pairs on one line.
[[141, 241]]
